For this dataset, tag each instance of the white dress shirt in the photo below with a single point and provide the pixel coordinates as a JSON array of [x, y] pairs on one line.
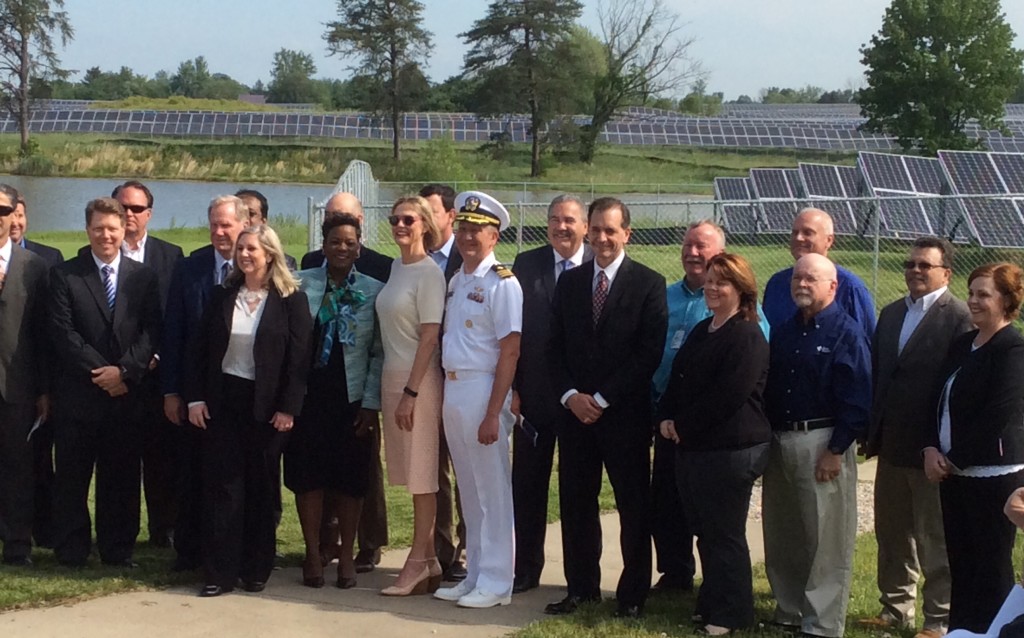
[[5, 256], [576, 260], [916, 310], [238, 359], [115, 264], [135, 255]]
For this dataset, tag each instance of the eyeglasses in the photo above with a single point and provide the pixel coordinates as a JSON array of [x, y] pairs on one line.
[[135, 209], [406, 220], [6, 210], [923, 266]]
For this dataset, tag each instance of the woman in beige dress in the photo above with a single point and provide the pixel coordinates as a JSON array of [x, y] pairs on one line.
[[410, 308]]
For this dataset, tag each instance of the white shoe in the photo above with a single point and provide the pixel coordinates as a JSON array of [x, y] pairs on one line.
[[453, 594], [480, 599]]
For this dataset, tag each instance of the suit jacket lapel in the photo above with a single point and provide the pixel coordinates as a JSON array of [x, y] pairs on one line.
[[548, 274], [121, 299], [616, 292], [924, 326], [14, 268]]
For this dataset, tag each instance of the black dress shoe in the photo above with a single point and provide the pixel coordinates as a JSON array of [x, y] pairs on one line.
[[668, 582], [568, 605], [524, 583], [124, 563], [210, 591], [18, 561], [254, 586], [628, 611], [367, 561], [455, 573]]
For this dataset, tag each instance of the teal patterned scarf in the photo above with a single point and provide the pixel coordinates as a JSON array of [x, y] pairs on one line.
[[337, 316]]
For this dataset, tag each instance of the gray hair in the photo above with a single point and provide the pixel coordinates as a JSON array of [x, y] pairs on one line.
[[241, 210], [565, 198], [710, 223]]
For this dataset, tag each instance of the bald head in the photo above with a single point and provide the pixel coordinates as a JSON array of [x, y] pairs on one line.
[[813, 232], [344, 203], [814, 284]]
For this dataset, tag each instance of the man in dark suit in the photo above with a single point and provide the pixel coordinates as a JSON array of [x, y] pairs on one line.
[[534, 399], [23, 382], [42, 437], [159, 462], [369, 262], [19, 226], [373, 522], [259, 213], [105, 324], [607, 334], [448, 545], [907, 347], [191, 287]]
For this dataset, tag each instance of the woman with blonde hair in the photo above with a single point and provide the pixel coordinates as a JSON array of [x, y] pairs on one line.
[[247, 377], [410, 308]]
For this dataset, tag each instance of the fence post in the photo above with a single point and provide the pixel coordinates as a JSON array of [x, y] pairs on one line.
[[519, 232], [877, 228], [311, 223]]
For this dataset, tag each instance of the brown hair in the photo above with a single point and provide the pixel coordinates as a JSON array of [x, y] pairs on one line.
[[431, 233], [1007, 279], [737, 271], [104, 206]]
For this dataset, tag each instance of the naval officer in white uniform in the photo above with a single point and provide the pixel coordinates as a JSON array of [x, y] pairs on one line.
[[479, 351]]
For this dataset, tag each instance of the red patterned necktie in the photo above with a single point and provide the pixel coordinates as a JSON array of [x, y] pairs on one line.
[[600, 295]]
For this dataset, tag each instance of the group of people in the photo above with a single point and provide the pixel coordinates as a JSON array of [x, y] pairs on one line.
[[208, 369]]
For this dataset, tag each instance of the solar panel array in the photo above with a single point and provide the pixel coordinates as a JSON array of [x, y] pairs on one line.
[[637, 126], [961, 195]]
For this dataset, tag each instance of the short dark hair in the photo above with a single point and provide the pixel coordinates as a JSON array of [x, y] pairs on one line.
[[602, 204], [446, 193], [104, 206], [258, 196], [134, 183], [340, 219], [11, 192], [940, 244]]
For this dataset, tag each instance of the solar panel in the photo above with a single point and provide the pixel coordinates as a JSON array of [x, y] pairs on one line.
[[996, 222], [972, 173], [885, 171], [901, 215], [1011, 169]]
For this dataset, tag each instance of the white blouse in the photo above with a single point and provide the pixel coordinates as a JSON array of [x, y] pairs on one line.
[[238, 358]]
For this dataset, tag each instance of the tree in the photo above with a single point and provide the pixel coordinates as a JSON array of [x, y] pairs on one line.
[[934, 66], [291, 78], [28, 29], [645, 57], [518, 38], [191, 78], [807, 95], [698, 102], [386, 37]]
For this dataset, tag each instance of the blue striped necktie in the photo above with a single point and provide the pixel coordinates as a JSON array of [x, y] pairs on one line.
[[108, 285]]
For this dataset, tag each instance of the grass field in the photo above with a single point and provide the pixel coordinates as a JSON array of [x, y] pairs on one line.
[[621, 169]]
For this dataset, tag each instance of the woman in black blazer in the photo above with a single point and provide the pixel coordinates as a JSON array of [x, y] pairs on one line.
[[977, 450], [246, 384], [713, 409]]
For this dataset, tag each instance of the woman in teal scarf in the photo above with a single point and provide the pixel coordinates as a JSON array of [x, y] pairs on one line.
[[328, 458]]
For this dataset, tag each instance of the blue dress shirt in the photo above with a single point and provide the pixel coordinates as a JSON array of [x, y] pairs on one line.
[[821, 369], [851, 295]]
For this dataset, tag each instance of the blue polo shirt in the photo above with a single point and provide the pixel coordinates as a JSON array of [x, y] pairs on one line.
[[821, 369], [686, 308], [851, 295]]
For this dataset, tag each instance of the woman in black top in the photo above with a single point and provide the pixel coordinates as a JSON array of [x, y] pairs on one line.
[[977, 449], [713, 409]]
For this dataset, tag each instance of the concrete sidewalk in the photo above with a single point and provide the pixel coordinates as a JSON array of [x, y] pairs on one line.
[[286, 608]]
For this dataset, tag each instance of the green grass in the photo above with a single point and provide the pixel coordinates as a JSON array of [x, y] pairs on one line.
[[616, 169]]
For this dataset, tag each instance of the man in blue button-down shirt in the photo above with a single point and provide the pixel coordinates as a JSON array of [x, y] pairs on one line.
[[818, 400]]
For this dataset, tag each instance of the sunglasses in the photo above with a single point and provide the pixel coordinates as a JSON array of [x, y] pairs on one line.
[[6, 210], [923, 266], [136, 209], [406, 220]]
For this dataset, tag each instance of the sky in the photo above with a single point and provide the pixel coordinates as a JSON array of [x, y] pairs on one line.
[[743, 45]]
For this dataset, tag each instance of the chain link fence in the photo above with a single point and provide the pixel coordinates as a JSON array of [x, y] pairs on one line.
[[873, 235]]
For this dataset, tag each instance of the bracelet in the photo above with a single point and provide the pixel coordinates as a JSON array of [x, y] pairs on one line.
[[409, 391]]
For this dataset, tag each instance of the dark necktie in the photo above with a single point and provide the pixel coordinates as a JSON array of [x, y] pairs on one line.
[[225, 270], [600, 295], [108, 285]]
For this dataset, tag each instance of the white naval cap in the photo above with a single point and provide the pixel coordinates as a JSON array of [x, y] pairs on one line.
[[480, 208]]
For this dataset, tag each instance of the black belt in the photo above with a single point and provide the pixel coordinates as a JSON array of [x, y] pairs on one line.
[[805, 426]]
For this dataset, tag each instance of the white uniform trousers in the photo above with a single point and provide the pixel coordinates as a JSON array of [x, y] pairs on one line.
[[484, 476]]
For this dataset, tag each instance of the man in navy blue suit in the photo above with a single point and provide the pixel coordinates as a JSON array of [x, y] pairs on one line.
[[191, 286], [19, 225]]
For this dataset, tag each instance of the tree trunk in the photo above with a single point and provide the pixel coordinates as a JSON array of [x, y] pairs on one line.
[[396, 149], [531, 81], [22, 92]]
